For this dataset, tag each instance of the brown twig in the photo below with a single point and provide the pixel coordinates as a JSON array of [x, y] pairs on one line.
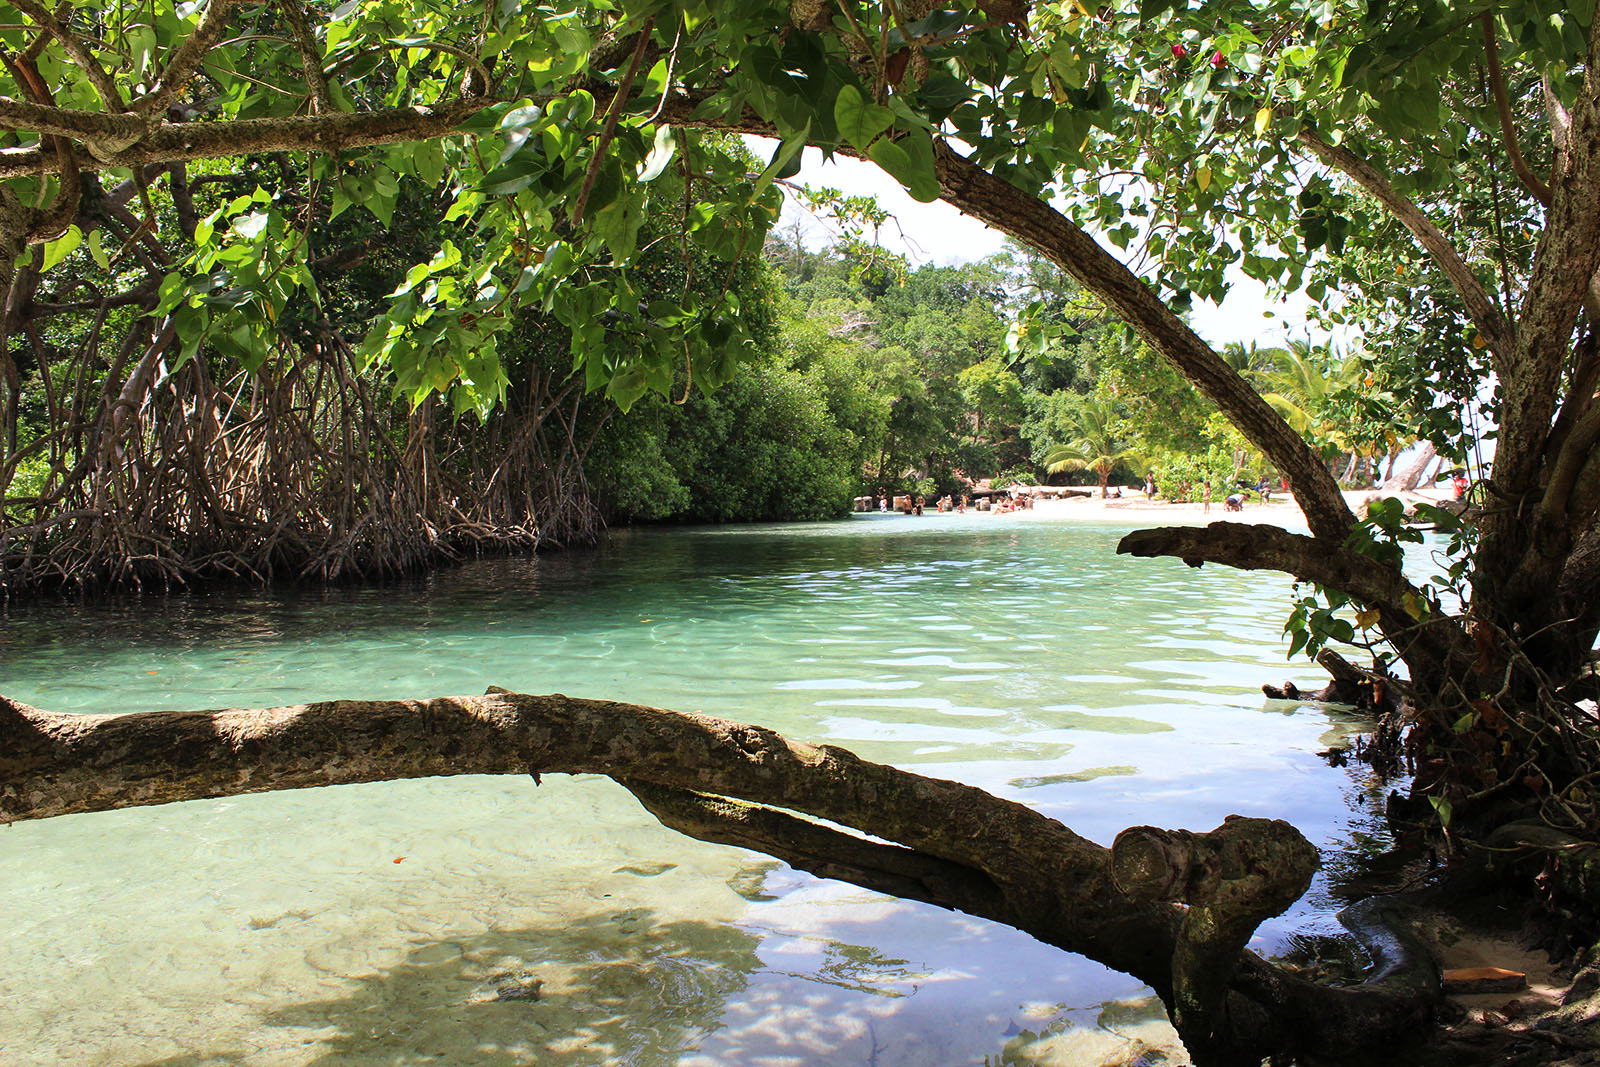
[[608, 129], [1531, 181]]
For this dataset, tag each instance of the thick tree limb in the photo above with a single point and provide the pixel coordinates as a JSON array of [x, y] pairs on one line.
[[1233, 878], [1556, 114], [1520, 558], [1577, 595], [180, 141], [1579, 399], [824, 852], [108, 132], [954, 845], [980, 194], [1567, 259], [1034, 223], [1249, 547], [1496, 331]]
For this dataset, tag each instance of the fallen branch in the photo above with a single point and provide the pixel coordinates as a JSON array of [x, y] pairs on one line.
[[1252, 547], [938, 841]]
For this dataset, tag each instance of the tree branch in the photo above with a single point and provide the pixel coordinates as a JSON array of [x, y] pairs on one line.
[[186, 59], [183, 141], [102, 131], [310, 58], [1256, 548], [1496, 331], [1556, 112], [982, 195], [1508, 130], [609, 127], [1577, 592], [824, 852], [1233, 879], [963, 847], [75, 50], [1567, 259]]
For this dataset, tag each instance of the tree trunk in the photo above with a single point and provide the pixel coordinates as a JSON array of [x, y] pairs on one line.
[[936, 841], [1410, 476]]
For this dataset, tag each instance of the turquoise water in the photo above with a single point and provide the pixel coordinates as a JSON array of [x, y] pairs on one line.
[[487, 920]]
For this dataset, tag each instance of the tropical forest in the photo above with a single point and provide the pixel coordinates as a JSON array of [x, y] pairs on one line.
[[512, 552]]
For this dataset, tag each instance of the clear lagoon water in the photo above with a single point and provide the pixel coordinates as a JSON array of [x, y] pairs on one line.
[[489, 920]]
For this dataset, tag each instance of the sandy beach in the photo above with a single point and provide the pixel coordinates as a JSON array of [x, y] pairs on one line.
[[1135, 509]]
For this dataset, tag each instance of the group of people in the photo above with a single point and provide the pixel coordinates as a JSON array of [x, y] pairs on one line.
[[909, 504], [1234, 501], [913, 505]]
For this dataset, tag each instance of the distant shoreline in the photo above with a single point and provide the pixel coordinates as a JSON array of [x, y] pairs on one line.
[[1135, 509]]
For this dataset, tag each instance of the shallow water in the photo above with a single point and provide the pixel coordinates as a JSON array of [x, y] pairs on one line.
[[487, 920]]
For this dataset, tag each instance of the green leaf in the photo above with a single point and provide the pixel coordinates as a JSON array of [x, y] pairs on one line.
[[665, 147], [572, 39], [59, 249], [171, 292], [785, 160], [513, 176], [943, 93], [627, 387], [1442, 807], [910, 162], [428, 161], [97, 252], [858, 120], [141, 43]]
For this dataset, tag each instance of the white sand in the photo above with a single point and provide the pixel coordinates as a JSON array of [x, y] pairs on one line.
[[1135, 509]]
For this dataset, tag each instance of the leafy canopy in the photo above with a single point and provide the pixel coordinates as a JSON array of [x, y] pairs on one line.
[[545, 131]]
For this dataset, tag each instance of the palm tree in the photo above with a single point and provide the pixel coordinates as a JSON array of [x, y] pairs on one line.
[[1097, 447], [1302, 384], [1301, 380]]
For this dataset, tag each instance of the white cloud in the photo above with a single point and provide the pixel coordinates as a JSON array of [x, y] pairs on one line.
[[927, 233]]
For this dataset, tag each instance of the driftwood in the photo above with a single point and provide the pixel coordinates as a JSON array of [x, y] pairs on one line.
[[1233, 878], [1370, 690], [931, 840]]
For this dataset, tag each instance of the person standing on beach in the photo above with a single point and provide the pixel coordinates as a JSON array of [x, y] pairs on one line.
[[1150, 487], [1207, 497]]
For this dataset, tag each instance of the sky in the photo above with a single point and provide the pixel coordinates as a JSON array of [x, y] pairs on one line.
[[939, 234]]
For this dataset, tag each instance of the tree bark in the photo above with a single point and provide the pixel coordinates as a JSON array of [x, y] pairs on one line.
[[976, 192], [1427, 645], [937, 841]]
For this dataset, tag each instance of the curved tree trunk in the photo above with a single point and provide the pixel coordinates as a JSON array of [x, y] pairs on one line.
[[937, 841], [1410, 476]]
